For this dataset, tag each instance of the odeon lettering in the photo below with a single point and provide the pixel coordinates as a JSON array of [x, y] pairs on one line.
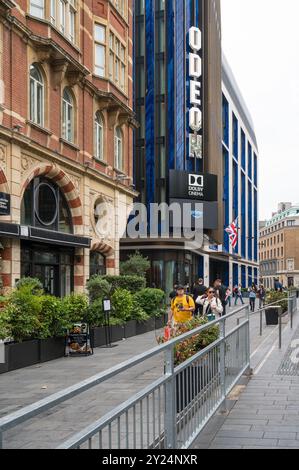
[[195, 76]]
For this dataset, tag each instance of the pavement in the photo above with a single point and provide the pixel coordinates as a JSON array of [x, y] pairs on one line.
[[263, 413], [256, 407]]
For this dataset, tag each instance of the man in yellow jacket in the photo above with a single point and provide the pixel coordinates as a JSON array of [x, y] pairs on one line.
[[182, 307]]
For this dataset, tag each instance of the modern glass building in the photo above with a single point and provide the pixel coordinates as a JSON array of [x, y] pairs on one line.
[[240, 170], [177, 83]]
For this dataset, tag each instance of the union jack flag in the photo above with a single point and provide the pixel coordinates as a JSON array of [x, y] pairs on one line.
[[232, 232]]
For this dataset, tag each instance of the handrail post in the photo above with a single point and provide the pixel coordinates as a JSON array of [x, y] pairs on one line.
[[222, 364], [1, 439], [261, 323], [280, 326], [170, 405], [248, 341]]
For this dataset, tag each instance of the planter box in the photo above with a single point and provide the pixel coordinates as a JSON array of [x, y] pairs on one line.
[[98, 337], [22, 354], [145, 327], [190, 383], [4, 366], [271, 314], [117, 333], [130, 329], [159, 322], [51, 348]]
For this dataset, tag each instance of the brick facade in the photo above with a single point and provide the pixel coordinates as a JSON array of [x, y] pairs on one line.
[[28, 149]]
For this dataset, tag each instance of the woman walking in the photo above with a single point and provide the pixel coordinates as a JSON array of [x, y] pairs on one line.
[[252, 297], [211, 304]]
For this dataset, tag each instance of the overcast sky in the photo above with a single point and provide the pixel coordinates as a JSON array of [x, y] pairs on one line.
[[261, 42]]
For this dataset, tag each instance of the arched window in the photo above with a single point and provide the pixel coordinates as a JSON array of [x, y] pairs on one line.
[[99, 137], [36, 95], [44, 206], [67, 116], [118, 149]]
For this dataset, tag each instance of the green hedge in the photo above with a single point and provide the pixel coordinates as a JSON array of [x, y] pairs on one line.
[[130, 283]]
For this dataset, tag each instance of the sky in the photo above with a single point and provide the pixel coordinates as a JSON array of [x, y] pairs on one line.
[[260, 39]]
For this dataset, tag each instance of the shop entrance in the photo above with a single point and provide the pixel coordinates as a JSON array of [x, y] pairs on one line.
[[52, 265], [219, 270]]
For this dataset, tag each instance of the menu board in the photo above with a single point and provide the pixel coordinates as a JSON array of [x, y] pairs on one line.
[[78, 341]]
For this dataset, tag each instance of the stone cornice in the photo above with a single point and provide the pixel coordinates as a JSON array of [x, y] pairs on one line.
[[27, 144]]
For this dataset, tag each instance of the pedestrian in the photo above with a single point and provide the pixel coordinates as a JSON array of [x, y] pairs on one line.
[[211, 304], [228, 297], [172, 294], [252, 298], [262, 296], [199, 289], [238, 294], [220, 291], [182, 307]]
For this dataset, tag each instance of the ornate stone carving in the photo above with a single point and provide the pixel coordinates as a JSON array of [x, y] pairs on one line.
[[75, 181], [27, 162], [104, 219], [3, 157]]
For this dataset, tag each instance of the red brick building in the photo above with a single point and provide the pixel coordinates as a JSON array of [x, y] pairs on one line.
[[66, 126]]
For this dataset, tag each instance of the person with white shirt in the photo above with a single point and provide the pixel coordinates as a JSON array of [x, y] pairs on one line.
[[210, 303]]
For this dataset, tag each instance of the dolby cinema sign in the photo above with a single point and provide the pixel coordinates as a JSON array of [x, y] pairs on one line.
[[195, 106]]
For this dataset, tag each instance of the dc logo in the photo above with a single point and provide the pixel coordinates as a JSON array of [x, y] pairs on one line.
[[196, 181]]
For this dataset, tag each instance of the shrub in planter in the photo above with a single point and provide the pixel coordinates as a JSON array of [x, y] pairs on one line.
[[191, 381], [23, 310], [122, 305], [136, 265], [130, 283], [33, 283], [74, 307], [188, 348], [152, 301], [98, 288], [5, 329], [52, 318], [94, 314], [273, 297]]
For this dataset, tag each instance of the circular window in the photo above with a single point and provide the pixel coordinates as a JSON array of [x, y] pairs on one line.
[[46, 204]]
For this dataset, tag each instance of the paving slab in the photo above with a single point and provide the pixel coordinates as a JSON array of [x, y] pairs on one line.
[[270, 402]]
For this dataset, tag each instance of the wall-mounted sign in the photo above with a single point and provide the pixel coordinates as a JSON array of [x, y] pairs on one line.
[[185, 185], [195, 106], [189, 210], [4, 204]]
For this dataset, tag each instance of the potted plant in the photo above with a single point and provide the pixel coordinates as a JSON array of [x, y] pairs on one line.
[[54, 324], [197, 375], [152, 302], [272, 311], [95, 318]]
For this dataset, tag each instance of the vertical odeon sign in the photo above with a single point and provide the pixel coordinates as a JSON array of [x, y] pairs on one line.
[[196, 94]]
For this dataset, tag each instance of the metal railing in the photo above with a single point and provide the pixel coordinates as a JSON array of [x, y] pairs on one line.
[[172, 411]]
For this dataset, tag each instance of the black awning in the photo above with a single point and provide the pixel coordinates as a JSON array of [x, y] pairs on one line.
[[43, 236]]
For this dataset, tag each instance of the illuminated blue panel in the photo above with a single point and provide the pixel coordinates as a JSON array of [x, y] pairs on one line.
[[235, 137], [235, 275], [225, 120], [170, 86], [243, 150], [236, 195], [249, 161], [255, 226], [180, 81], [226, 196], [243, 276], [255, 276], [250, 231], [250, 279], [150, 100], [243, 216]]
